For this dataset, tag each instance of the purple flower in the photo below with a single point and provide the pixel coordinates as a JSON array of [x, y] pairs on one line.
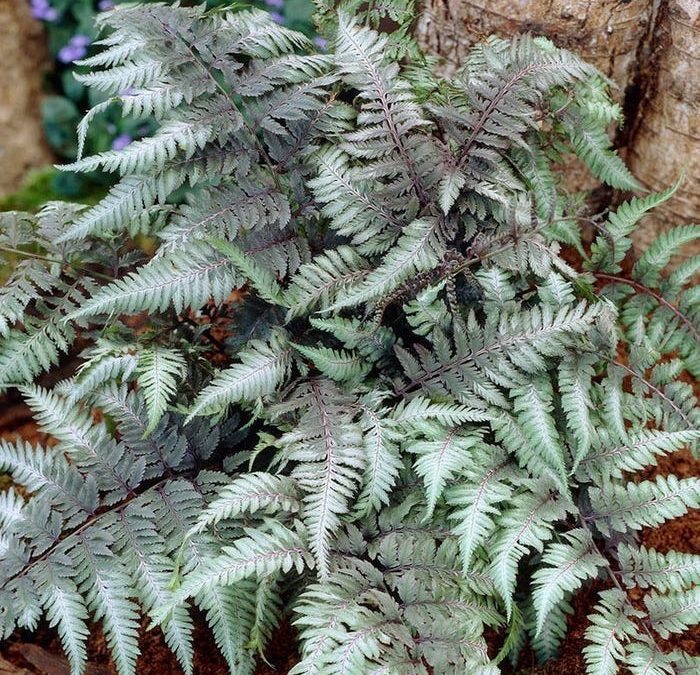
[[321, 43], [276, 17], [68, 54], [277, 4], [42, 10], [79, 41], [105, 5], [121, 141], [74, 50]]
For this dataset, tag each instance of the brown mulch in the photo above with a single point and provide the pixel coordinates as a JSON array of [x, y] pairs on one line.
[[39, 653]]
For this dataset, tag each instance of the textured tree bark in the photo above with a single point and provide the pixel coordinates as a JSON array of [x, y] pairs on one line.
[[650, 48], [23, 60], [665, 133], [607, 33]]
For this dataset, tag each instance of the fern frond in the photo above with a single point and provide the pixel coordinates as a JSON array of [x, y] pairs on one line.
[[428, 312], [592, 145], [474, 501], [30, 466], [268, 610], [575, 376], [638, 449], [323, 278], [647, 659], [11, 505], [450, 414], [261, 278], [389, 112], [440, 457], [46, 334], [648, 268], [29, 281], [251, 492], [381, 445], [89, 446], [109, 603], [226, 211], [353, 210], [230, 614], [158, 372], [338, 365], [259, 552], [170, 141], [128, 203], [566, 566], [263, 367], [611, 624], [327, 444], [673, 612], [419, 249], [154, 576], [520, 341], [646, 504], [103, 365], [372, 342], [648, 568], [526, 525], [179, 279], [619, 225], [152, 571], [547, 642], [534, 405], [449, 189], [65, 609]]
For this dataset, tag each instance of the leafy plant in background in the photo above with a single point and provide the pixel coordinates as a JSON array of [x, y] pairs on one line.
[[416, 422], [70, 27]]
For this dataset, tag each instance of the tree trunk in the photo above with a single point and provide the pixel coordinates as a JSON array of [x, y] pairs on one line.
[[665, 133], [23, 59], [606, 33], [650, 48]]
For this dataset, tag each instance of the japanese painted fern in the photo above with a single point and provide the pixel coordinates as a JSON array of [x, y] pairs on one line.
[[356, 372]]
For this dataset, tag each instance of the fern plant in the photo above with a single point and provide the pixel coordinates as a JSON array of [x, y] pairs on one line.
[[343, 370]]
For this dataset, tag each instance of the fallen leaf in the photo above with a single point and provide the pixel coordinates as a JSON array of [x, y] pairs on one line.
[[44, 661]]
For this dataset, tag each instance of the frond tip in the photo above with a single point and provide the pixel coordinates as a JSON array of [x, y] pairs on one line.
[[159, 372], [263, 367]]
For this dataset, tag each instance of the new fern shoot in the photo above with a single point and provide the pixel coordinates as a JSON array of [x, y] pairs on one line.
[[355, 381]]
